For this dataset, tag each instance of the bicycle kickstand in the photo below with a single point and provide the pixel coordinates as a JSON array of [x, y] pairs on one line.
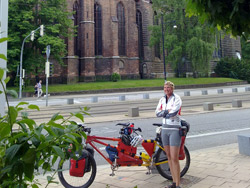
[[113, 168], [112, 174], [149, 170]]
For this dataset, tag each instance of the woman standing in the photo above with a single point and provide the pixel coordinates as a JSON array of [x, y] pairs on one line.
[[168, 108]]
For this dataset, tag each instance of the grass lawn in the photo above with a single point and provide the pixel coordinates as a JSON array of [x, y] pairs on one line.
[[126, 84]]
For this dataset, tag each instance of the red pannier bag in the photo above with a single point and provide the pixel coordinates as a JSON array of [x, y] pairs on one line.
[[78, 167], [182, 150]]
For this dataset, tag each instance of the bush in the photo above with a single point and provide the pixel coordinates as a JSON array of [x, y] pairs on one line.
[[115, 77], [233, 68], [27, 147]]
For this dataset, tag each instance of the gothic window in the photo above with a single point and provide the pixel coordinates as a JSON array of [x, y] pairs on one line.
[[144, 69], [157, 46], [121, 64], [98, 29], [76, 24], [217, 52], [121, 29], [140, 34]]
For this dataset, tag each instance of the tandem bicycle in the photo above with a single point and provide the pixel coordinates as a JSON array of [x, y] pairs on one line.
[[81, 172]]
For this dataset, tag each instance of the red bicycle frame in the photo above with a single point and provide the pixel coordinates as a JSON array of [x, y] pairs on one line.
[[148, 145], [91, 139]]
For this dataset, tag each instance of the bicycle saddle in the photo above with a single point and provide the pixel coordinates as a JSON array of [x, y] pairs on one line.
[[124, 124]]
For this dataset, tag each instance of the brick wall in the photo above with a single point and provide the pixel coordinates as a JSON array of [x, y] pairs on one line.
[[88, 67]]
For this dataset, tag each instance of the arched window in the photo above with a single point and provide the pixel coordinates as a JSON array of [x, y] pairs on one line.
[[140, 34], [121, 29], [76, 24], [98, 29], [157, 46], [144, 69], [121, 64]]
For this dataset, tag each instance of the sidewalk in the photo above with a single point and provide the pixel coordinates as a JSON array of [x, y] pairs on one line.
[[218, 167]]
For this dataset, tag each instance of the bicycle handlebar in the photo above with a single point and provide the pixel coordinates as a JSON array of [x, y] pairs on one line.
[[84, 129]]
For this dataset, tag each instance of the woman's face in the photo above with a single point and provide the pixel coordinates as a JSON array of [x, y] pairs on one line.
[[168, 90]]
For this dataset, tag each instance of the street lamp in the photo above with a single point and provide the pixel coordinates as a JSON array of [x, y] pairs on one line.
[[32, 33], [163, 48]]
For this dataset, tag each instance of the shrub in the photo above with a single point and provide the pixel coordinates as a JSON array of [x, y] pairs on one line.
[[233, 68], [26, 147], [115, 77]]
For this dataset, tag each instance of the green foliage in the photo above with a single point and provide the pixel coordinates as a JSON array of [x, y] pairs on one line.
[[232, 16], [115, 77], [27, 15], [190, 41], [26, 147], [245, 49], [199, 52], [233, 68], [2, 56]]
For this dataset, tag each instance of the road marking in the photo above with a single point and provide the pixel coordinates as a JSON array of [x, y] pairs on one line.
[[215, 133]]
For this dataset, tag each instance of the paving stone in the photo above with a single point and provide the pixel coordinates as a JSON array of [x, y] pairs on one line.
[[216, 173], [211, 180], [151, 185], [234, 185], [98, 185], [156, 178], [200, 185], [242, 176]]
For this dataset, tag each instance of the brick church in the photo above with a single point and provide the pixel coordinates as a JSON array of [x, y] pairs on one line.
[[112, 36]]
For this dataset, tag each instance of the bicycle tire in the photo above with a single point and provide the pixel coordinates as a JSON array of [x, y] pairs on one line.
[[77, 182], [164, 169]]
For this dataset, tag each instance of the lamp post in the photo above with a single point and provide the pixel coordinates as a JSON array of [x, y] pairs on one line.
[[32, 33], [163, 48]]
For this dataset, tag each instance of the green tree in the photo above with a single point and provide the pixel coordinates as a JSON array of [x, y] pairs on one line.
[[27, 15], [190, 40], [2, 56], [231, 16], [245, 49], [26, 146], [199, 50], [233, 68]]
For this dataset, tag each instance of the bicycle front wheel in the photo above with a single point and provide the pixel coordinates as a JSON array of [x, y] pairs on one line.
[[164, 169], [77, 182]]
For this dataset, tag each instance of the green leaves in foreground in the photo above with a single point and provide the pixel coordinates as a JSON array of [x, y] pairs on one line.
[[26, 146]]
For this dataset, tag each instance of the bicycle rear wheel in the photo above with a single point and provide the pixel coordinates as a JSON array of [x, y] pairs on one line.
[[77, 182], [164, 169]]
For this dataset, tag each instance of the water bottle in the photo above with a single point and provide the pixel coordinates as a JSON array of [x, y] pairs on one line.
[[144, 156]]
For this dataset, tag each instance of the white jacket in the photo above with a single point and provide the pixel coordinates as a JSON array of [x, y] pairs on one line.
[[169, 110]]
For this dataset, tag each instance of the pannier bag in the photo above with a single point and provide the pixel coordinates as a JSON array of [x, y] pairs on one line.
[[80, 166], [112, 152], [182, 150], [77, 167], [126, 139], [184, 123]]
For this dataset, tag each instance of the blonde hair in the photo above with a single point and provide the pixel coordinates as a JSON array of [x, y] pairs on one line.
[[171, 84]]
